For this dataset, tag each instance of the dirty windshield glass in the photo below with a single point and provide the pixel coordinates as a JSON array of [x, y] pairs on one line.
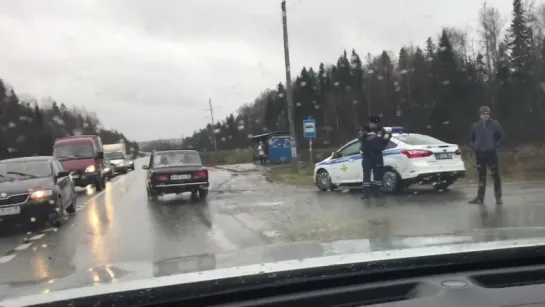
[[262, 131]]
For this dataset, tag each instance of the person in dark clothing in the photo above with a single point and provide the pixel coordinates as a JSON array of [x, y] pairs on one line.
[[485, 138], [373, 140]]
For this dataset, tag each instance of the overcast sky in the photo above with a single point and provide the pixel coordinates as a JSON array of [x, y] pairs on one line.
[[148, 67]]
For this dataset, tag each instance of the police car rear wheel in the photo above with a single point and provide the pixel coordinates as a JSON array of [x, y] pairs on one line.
[[391, 181], [323, 181]]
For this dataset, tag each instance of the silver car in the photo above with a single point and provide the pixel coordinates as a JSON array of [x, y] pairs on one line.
[[119, 162]]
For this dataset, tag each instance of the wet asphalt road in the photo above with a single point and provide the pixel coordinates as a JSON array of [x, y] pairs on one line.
[[242, 210]]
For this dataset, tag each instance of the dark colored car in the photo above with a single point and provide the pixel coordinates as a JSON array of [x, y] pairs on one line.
[[83, 156], [35, 189], [176, 171]]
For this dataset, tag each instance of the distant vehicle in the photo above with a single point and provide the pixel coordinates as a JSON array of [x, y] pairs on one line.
[[176, 171], [83, 156], [116, 153], [35, 189], [130, 161], [118, 147], [409, 158], [108, 168], [119, 162]]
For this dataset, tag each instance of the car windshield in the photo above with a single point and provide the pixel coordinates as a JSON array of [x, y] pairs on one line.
[[176, 158], [25, 169], [75, 151], [114, 155], [417, 139], [264, 131]]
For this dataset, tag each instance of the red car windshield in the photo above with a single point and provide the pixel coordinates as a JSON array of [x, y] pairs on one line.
[[73, 151]]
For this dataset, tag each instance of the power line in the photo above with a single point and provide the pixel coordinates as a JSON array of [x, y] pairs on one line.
[[295, 4]]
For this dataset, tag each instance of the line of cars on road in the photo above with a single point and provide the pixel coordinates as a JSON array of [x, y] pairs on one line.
[[42, 189], [116, 161]]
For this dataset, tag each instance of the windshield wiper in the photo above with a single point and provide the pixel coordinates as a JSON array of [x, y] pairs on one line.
[[78, 156], [73, 157], [22, 174]]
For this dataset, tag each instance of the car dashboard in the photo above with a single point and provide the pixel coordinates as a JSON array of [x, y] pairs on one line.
[[506, 277]]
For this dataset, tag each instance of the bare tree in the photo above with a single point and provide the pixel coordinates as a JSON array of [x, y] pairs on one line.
[[536, 22], [491, 24]]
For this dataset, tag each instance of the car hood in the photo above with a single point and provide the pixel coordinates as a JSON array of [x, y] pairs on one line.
[[324, 161], [20, 186], [79, 164], [257, 260]]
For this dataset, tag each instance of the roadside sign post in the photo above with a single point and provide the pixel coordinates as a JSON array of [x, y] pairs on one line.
[[309, 132], [310, 150]]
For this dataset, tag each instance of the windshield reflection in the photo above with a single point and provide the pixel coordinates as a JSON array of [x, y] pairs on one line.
[[25, 169], [83, 151]]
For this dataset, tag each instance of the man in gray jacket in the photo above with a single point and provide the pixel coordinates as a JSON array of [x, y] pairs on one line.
[[485, 138]]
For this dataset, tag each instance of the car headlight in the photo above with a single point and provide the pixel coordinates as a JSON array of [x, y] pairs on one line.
[[40, 194], [107, 169], [131, 162], [90, 169]]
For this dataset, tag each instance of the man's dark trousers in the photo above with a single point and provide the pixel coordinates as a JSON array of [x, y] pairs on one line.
[[372, 163], [488, 159]]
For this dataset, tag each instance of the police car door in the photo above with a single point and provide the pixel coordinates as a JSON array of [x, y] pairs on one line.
[[349, 165], [390, 159]]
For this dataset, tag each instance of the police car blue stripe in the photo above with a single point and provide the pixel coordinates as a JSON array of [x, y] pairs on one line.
[[388, 152]]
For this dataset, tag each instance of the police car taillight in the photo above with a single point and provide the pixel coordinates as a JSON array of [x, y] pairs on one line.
[[458, 152], [416, 153]]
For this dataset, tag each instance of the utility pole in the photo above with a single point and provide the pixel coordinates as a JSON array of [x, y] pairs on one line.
[[289, 90], [213, 124]]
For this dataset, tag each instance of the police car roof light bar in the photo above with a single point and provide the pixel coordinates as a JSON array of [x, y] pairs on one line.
[[396, 129]]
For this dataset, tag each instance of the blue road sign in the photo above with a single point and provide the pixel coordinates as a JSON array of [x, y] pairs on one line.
[[309, 128]]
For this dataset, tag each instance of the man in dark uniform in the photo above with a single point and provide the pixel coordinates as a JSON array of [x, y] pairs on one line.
[[373, 140]]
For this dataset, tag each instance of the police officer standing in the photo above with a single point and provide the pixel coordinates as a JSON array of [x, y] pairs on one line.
[[373, 140]]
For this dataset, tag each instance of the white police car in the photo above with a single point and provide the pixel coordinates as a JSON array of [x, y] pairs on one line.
[[409, 158]]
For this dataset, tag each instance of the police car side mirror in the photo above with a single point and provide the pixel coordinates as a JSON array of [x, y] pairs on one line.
[[335, 154]]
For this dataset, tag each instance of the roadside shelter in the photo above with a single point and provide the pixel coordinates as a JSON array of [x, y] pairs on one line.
[[277, 146]]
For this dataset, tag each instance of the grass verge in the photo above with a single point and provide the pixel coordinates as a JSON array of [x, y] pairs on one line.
[[285, 175]]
